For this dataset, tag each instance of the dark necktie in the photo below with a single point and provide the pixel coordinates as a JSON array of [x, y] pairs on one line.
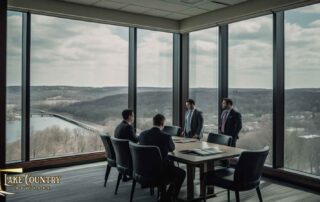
[[224, 120]]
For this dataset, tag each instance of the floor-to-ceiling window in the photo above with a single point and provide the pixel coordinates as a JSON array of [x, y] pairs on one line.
[[79, 84], [250, 79], [203, 75], [14, 85], [154, 77], [302, 89]]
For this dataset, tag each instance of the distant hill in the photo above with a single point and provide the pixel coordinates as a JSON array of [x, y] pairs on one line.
[[99, 103], [39, 93], [111, 106]]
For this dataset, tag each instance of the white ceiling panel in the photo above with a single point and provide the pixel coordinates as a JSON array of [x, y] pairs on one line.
[[210, 6], [158, 4], [177, 16], [86, 2], [171, 9], [109, 4], [157, 13], [135, 9], [193, 11], [230, 2]]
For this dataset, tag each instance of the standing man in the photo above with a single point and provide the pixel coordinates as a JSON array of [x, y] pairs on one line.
[[125, 129], [193, 123], [156, 137], [231, 122]]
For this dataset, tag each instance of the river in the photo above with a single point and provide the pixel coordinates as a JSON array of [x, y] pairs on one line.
[[37, 122]]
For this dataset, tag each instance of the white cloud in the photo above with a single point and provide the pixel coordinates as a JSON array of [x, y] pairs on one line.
[[154, 59], [251, 26], [14, 41], [302, 55], [66, 52], [315, 23], [313, 9], [203, 58], [250, 53]]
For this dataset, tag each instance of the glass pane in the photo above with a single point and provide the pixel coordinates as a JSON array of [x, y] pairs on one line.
[[250, 80], [154, 77], [302, 89], [203, 75], [79, 82], [14, 82]]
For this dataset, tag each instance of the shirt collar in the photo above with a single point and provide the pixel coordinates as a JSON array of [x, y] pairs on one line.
[[157, 127], [228, 110]]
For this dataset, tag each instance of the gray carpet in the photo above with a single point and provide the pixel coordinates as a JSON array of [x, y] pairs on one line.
[[85, 183]]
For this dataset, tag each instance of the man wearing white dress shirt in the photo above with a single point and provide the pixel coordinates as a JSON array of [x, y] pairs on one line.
[[193, 121]]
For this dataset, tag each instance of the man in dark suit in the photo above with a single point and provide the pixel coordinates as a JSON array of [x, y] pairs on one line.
[[125, 129], [231, 122], [156, 137], [193, 123]]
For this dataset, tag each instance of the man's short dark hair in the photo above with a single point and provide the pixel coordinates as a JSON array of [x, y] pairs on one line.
[[191, 101], [228, 101], [126, 113], [158, 120]]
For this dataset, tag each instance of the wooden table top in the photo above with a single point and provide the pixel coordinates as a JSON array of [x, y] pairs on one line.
[[176, 155]]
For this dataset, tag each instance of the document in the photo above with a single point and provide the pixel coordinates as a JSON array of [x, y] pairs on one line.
[[203, 152], [184, 140]]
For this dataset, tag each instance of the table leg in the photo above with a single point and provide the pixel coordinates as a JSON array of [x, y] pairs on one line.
[[202, 181], [190, 185]]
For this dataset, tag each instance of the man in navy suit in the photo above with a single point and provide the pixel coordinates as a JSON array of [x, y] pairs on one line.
[[156, 137], [230, 122], [193, 123], [125, 129]]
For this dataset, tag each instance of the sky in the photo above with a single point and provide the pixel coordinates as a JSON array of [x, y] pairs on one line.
[[77, 53]]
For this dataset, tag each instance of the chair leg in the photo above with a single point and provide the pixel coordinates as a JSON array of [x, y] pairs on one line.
[[118, 182], [228, 195], [205, 189], [107, 175], [259, 193], [132, 190], [237, 196], [163, 193], [158, 194], [151, 191]]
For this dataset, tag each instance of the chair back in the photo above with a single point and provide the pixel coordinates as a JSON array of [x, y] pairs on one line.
[[123, 155], [249, 167], [147, 163], [110, 154], [219, 139], [172, 130]]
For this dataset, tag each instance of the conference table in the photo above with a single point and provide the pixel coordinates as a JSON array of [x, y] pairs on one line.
[[205, 163]]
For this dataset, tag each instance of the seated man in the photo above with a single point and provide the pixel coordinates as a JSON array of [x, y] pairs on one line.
[[125, 129], [156, 137]]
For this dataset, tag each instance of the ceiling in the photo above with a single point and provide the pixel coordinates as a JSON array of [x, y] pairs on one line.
[[175, 16], [169, 9]]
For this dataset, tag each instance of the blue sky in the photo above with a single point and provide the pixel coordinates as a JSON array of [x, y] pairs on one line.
[[69, 52]]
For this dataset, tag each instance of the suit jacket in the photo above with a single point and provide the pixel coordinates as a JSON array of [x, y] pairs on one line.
[[125, 131], [233, 124], [156, 137], [196, 124]]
